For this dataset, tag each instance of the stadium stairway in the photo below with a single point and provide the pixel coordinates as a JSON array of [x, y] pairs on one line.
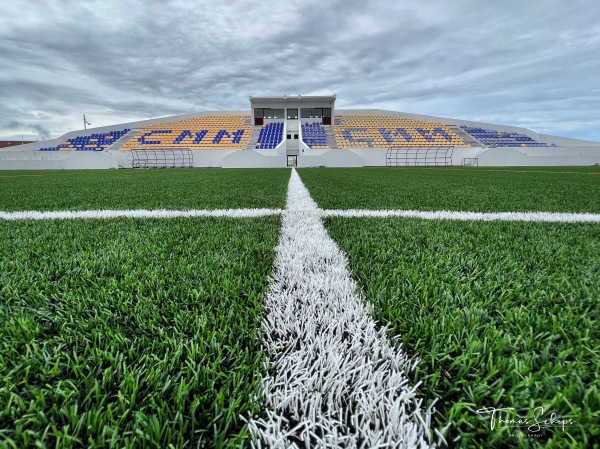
[[253, 138], [331, 140], [465, 137], [123, 140]]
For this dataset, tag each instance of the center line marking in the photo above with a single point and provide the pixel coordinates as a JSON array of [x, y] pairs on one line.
[[334, 379]]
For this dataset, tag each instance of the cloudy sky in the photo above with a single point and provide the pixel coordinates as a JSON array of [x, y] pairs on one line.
[[533, 63]]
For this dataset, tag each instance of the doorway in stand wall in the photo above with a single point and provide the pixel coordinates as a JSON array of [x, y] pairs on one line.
[[259, 115], [292, 161], [326, 116]]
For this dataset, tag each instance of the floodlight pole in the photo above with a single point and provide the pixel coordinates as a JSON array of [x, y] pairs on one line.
[[84, 122]]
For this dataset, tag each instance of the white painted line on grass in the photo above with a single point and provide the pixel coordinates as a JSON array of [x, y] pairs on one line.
[[140, 213], [549, 217], [334, 380]]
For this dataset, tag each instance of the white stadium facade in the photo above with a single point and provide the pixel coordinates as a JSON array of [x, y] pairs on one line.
[[301, 131]]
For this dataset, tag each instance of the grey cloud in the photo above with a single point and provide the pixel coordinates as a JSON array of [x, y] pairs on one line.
[[42, 132], [128, 61]]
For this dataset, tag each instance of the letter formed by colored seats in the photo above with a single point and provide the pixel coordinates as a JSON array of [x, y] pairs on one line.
[[187, 133], [237, 136], [347, 134], [390, 136], [143, 140], [430, 135]]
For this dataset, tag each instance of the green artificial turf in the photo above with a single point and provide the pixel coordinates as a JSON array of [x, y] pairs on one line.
[[143, 189], [499, 314], [131, 333], [570, 189]]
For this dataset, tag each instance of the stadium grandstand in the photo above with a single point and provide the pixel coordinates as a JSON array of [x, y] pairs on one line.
[[301, 131]]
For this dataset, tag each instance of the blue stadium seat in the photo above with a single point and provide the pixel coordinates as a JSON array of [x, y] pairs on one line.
[[313, 135], [270, 136], [495, 138], [92, 142]]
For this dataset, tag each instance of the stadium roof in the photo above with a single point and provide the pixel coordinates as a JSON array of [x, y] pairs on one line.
[[295, 99]]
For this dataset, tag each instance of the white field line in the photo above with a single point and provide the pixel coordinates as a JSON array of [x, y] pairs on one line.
[[550, 217], [140, 213], [334, 380]]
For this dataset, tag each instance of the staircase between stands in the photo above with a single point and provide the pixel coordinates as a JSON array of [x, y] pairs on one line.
[[466, 137], [253, 138], [331, 140]]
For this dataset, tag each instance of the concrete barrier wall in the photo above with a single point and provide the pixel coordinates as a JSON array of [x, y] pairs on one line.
[[560, 156], [36, 160], [253, 159], [331, 158], [32, 155], [372, 157], [571, 151], [210, 158], [357, 157], [553, 156]]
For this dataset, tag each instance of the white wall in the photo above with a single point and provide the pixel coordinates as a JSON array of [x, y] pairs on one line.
[[254, 159], [565, 156], [59, 160], [554, 156], [357, 157], [330, 158], [211, 158]]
